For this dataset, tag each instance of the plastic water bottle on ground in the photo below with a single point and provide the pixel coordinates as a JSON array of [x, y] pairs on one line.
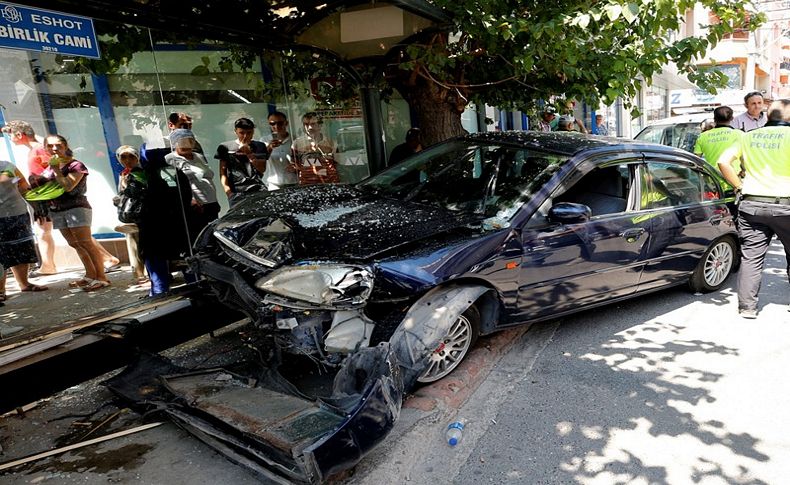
[[454, 432]]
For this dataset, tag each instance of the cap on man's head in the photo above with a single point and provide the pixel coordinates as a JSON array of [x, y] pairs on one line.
[[180, 134], [549, 109], [126, 149], [413, 133]]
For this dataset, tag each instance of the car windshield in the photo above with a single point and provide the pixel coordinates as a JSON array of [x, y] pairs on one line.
[[678, 135], [463, 176]]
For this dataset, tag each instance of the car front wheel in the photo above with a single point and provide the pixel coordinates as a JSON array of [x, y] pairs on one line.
[[716, 264], [454, 347]]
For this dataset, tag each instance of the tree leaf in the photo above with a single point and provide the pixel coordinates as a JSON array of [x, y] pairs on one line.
[[613, 11], [630, 12]]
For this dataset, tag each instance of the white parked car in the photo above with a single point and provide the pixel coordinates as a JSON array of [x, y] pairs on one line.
[[676, 131]]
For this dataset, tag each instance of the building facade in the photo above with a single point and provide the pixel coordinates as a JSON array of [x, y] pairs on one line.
[[756, 60]]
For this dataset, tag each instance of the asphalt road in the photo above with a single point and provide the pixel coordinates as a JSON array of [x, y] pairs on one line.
[[669, 388]]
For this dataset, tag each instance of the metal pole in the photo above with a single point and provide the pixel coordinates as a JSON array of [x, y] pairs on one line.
[[374, 128]]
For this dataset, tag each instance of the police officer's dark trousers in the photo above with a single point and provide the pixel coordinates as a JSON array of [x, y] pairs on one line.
[[757, 224]]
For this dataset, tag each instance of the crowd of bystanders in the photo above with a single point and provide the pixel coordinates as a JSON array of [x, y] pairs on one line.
[[162, 192]]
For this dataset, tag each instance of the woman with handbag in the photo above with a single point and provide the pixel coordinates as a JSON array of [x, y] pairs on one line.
[[155, 198], [132, 185], [71, 213]]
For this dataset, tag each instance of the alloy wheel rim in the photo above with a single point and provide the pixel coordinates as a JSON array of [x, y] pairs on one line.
[[718, 264], [450, 351]]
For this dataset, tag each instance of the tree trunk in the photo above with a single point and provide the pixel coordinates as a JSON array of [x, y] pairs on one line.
[[438, 111]]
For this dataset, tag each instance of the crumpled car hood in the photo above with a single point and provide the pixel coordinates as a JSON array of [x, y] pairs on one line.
[[324, 222]]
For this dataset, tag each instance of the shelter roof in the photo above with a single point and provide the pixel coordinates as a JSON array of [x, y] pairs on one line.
[[261, 23]]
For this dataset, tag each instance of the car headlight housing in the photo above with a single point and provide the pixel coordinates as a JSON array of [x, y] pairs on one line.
[[322, 285]]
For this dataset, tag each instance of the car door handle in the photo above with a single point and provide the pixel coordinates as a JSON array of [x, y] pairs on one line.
[[716, 220], [632, 235]]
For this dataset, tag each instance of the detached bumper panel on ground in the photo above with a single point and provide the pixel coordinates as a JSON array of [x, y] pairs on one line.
[[265, 423]]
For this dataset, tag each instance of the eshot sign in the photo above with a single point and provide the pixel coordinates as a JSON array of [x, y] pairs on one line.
[[39, 30]]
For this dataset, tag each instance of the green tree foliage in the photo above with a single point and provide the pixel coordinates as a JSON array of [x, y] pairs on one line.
[[294, 69], [512, 53], [507, 53]]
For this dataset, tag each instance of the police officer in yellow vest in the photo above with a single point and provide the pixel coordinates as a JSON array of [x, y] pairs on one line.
[[712, 143], [765, 204]]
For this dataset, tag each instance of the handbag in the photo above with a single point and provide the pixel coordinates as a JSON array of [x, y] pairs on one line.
[[131, 202]]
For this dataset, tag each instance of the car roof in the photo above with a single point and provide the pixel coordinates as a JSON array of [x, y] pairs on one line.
[[565, 143], [690, 118], [686, 118]]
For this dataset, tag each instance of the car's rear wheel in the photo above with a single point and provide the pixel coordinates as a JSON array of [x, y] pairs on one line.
[[454, 347], [715, 266]]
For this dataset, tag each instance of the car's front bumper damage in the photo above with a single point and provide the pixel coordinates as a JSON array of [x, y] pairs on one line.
[[265, 424]]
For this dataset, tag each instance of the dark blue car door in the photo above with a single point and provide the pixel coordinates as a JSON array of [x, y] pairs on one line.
[[570, 265], [684, 208]]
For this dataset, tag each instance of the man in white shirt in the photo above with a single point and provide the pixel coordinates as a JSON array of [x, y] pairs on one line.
[[754, 117], [277, 174]]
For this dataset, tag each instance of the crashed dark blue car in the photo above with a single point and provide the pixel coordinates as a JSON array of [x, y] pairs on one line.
[[389, 282]]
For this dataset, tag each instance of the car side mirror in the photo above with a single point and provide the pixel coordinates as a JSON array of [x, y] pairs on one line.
[[569, 213]]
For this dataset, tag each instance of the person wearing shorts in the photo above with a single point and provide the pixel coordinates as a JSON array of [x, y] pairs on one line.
[[72, 218], [17, 247], [71, 212]]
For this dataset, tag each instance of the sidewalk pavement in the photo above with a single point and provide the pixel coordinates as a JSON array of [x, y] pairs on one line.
[[35, 311]]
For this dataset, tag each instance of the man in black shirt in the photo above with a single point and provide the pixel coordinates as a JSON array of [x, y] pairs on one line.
[[241, 162], [413, 145]]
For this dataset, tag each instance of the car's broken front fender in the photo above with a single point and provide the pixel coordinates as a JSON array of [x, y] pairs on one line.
[[427, 323]]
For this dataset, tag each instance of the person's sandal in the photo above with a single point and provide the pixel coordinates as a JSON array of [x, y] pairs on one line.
[[34, 288], [80, 283], [96, 285]]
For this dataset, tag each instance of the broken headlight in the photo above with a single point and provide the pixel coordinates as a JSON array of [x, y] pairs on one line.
[[320, 284], [269, 246]]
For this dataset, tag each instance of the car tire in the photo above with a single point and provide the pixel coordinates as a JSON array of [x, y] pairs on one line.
[[718, 261], [461, 337]]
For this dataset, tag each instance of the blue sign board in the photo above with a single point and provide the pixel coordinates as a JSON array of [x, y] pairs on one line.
[[39, 30]]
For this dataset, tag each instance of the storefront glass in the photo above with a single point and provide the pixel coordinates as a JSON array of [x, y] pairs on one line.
[[129, 104]]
